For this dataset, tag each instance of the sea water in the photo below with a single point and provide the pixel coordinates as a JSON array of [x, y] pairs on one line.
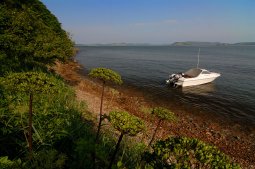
[[231, 96]]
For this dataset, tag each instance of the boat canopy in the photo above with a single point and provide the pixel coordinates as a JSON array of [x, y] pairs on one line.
[[194, 72]]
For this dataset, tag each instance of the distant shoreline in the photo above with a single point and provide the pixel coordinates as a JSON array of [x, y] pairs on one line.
[[186, 43]]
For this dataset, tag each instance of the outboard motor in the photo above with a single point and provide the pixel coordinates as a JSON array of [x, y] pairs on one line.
[[173, 78]]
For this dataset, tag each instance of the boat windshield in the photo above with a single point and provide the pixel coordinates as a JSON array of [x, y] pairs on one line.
[[206, 72], [193, 72]]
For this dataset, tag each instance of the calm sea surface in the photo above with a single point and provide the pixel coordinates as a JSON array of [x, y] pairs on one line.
[[231, 96]]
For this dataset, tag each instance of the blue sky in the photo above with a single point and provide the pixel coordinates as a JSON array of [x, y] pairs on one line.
[[156, 21]]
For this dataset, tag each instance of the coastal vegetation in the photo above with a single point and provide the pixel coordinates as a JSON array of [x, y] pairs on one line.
[[29, 83], [182, 152], [126, 124], [162, 114], [30, 37], [43, 125], [105, 75]]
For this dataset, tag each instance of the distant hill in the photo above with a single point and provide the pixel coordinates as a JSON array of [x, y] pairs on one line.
[[187, 43], [194, 43], [115, 44], [245, 44]]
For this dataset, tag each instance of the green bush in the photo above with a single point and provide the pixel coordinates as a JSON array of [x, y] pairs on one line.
[[131, 153], [181, 152], [126, 124], [50, 159], [5, 163], [162, 114], [105, 75], [57, 124]]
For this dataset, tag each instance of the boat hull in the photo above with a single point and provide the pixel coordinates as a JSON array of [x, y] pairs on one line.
[[184, 82]]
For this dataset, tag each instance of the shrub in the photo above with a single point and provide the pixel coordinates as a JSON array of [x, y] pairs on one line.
[[50, 159], [162, 114], [181, 152], [5, 163], [30, 83], [126, 124], [105, 75]]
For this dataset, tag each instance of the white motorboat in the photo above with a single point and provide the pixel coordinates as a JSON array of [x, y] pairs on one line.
[[192, 77]]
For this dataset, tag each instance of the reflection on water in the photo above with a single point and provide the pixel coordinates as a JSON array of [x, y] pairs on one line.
[[205, 89]]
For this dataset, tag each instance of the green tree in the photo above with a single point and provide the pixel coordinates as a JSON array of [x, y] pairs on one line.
[[126, 124], [29, 83], [182, 152], [30, 36], [162, 114], [105, 75]]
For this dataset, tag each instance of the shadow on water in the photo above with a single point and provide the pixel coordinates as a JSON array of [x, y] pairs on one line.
[[203, 90]]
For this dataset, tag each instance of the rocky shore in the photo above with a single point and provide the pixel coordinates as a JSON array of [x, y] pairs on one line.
[[232, 139]]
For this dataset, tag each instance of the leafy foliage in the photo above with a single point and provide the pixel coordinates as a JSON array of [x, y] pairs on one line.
[[181, 152], [83, 150], [30, 36], [57, 118], [105, 75], [51, 159], [29, 82], [5, 163], [131, 153], [57, 124], [126, 123], [163, 113]]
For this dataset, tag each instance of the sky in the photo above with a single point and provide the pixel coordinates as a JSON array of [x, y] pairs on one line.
[[156, 21]]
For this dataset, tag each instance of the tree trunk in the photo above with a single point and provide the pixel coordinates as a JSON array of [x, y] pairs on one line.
[[115, 151], [154, 134], [101, 113], [30, 125]]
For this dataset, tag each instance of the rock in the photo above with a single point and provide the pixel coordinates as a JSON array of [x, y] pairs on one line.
[[208, 133], [236, 137]]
